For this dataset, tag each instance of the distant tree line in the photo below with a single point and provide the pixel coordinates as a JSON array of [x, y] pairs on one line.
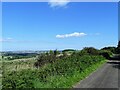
[[115, 50], [12, 56]]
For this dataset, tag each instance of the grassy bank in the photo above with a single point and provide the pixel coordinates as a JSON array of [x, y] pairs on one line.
[[63, 73], [68, 81]]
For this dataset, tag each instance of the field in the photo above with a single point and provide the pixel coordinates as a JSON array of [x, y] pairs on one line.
[[18, 64]]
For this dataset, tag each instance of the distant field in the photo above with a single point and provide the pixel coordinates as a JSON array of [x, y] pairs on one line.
[[18, 64]]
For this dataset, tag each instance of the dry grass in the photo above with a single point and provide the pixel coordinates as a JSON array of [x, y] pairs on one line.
[[18, 64]]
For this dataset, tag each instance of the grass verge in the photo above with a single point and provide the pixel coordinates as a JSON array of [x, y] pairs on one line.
[[68, 81]]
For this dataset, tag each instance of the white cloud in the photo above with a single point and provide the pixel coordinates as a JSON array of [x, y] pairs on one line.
[[6, 40], [58, 3], [75, 34]]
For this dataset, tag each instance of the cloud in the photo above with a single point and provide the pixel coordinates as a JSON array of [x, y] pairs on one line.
[[58, 3], [6, 40], [75, 34], [13, 40]]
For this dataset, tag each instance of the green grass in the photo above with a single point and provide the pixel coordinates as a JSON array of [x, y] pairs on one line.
[[64, 73], [68, 81]]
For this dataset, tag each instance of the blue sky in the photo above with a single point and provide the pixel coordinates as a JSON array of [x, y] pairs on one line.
[[43, 25]]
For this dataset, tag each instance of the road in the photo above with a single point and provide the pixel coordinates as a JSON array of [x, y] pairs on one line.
[[105, 77]]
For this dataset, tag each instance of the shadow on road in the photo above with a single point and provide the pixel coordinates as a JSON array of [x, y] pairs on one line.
[[116, 57], [115, 61], [115, 64]]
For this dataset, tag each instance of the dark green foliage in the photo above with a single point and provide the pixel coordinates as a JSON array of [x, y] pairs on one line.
[[41, 59], [118, 50], [105, 53], [20, 54], [22, 79], [86, 51], [119, 44], [12, 56], [90, 51], [56, 52], [112, 49], [66, 50], [62, 67], [115, 50], [49, 57]]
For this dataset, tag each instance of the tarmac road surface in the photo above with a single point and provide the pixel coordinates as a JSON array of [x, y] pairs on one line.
[[105, 77]]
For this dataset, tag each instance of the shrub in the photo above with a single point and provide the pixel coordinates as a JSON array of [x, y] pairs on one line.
[[90, 51], [105, 53], [111, 49], [49, 57], [118, 50]]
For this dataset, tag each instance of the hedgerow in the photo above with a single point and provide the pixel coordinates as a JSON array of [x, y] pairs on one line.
[[44, 76]]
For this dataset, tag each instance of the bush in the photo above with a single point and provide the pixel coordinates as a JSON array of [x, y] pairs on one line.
[[118, 50], [105, 53], [43, 58], [90, 51], [111, 49]]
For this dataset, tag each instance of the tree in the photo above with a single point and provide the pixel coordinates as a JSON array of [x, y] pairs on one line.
[[105, 53], [56, 52], [119, 44], [90, 50], [51, 52], [112, 49], [118, 48]]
